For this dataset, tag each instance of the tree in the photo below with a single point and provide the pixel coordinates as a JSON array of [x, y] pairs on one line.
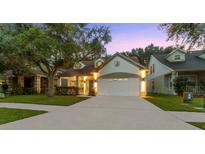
[[10, 59], [180, 84], [189, 33], [53, 46], [144, 54]]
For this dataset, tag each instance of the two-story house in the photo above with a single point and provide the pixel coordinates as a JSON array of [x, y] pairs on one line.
[[164, 68]]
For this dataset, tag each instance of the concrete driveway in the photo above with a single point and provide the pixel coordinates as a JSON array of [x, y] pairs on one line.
[[104, 112]]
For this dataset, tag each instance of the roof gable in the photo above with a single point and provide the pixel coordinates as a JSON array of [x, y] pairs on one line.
[[130, 60], [192, 62], [176, 50]]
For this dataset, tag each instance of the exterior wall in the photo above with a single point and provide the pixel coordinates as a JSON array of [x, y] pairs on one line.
[[162, 84], [160, 69], [156, 85], [159, 79], [171, 57], [122, 86], [124, 66]]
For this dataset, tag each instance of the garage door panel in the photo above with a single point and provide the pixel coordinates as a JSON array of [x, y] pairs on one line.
[[121, 87]]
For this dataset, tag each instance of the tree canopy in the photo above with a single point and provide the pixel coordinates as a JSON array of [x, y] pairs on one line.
[[53, 46], [144, 54], [10, 58], [192, 34]]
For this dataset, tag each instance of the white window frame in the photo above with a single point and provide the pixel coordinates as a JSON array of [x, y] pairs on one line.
[[177, 57]]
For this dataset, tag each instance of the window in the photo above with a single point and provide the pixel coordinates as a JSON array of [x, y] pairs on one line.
[[152, 86], [177, 57], [64, 82], [78, 65], [98, 63], [153, 69], [117, 63], [150, 69]]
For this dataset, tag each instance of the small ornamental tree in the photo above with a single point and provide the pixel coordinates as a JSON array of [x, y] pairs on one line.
[[180, 84]]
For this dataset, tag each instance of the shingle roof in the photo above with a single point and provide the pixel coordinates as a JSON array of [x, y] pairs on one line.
[[192, 62], [89, 66]]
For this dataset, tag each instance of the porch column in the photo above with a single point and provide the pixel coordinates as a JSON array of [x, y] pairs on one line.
[[37, 84], [174, 75], [21, 81]]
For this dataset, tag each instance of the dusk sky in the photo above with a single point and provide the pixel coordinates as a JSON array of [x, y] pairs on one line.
[[128, 36]]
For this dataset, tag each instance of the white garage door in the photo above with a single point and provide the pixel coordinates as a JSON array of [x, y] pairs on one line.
[[119, 87]]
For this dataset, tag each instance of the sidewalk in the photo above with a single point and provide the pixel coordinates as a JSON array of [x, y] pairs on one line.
[[31, 106], [189, 116]]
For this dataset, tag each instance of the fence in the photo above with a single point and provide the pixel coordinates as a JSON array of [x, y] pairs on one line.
[[67, 91], [196, 90]]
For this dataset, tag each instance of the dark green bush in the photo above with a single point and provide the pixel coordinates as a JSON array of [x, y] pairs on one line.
[[29, 91], [18, 90], [5, 87], [180, 84]]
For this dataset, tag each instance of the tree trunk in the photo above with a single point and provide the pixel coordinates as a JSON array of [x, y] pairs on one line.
[[51, 88]]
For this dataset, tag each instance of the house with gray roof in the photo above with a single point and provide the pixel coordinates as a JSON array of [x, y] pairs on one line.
[[118, 75], [164, 68]]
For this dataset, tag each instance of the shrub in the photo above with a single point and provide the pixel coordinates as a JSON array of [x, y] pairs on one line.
[[202, 85], [1, 89], [180, 84], [18, 90], [5, 87], [29, 91]]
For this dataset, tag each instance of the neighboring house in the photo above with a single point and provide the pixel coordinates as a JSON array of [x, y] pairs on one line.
[[164, 68], [119, 75], [34, 80]]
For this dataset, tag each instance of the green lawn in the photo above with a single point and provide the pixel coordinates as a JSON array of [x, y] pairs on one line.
[[9, 115], [44, 100], [200, 125], [175, 103]]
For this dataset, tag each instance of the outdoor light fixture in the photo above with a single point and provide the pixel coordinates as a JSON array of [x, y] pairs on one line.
[[95, 76], [143, 82]]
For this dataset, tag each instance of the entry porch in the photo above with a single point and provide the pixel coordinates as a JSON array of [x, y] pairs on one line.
[[196, 81], [78, 85]]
